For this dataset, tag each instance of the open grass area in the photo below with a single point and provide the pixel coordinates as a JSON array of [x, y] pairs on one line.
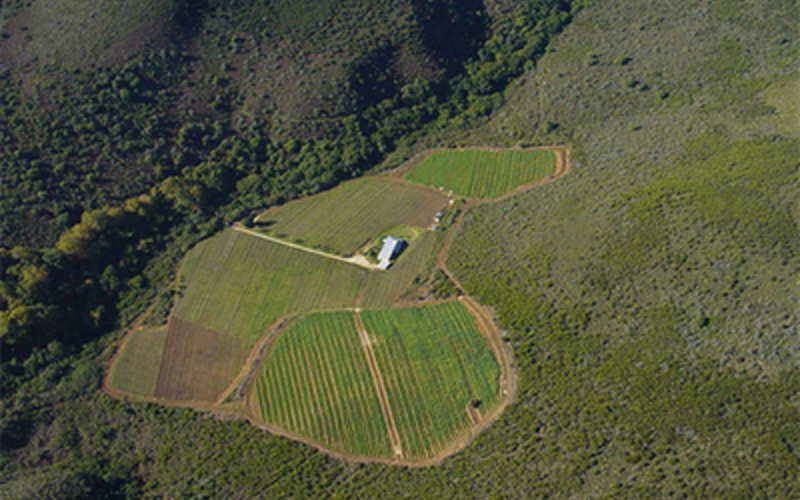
[[484, 174], [135, 369], [316, 383], [435, 365], [344, 219], [239, 285]]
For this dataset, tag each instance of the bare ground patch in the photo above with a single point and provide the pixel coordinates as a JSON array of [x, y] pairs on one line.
[[198, 364]]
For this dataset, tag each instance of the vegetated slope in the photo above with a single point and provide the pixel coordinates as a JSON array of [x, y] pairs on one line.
[[344, 219], [315, 384], [477, 173], [651, 293], [438, 372], [317, 60], [79, 33], [103, 101], [239, 284], [699, 429]]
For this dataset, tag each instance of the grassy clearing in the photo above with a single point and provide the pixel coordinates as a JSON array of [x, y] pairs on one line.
[[345, 219], [383, 289], [476, 173], [135, 369], [78, 32], [435, 363], [198, 364], [316, 383], [239, 284]]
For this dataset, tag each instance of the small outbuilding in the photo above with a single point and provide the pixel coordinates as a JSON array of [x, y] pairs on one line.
[[392, 247]]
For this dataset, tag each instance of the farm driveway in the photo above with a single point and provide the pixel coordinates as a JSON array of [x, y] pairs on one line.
[[358, 260]]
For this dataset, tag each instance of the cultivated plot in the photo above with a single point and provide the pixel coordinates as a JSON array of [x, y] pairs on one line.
[[198, 363], [135, 368], [481, 173], [439, 374], [239, 285], [315, 383], [344, 219], [394, 383]]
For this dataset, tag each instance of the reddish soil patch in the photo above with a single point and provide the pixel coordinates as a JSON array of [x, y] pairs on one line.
[[198, 364]]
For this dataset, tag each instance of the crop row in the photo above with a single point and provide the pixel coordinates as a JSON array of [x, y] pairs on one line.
[[434, 363], [316, 383], [344, 219], [239, 284], [482, 173]]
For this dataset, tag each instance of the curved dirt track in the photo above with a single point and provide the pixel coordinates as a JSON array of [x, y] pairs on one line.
[[507, 384]]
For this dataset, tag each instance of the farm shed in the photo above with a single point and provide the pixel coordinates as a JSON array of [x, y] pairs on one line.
[[391, 249]]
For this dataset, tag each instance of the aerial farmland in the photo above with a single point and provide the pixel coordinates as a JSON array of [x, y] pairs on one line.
[[291, 324]]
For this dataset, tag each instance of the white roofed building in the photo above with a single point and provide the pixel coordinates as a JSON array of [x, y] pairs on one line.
[[391, 249]]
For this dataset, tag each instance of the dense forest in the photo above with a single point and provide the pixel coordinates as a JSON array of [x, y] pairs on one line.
[[650, 296]]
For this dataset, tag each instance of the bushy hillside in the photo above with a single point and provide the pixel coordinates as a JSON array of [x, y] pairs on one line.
[[102, 100]]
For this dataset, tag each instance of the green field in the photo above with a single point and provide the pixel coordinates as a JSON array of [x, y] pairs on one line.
[[435, 363], [483, 174], [238, 284], [315, 383], [345, 219], [136, 367]]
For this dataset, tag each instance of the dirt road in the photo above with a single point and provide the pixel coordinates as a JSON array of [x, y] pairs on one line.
[[358, 260], [380, 389]]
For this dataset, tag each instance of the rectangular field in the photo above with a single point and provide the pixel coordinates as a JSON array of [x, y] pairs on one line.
[[483, 174], [135, 369], [238, 284], [198, 363], [315, 382], [434, 364], [344, 219]]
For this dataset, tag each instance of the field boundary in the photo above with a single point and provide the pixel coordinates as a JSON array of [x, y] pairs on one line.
[[254, 359]]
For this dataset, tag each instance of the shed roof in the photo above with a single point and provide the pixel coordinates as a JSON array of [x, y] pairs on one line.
[[390, 247]]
